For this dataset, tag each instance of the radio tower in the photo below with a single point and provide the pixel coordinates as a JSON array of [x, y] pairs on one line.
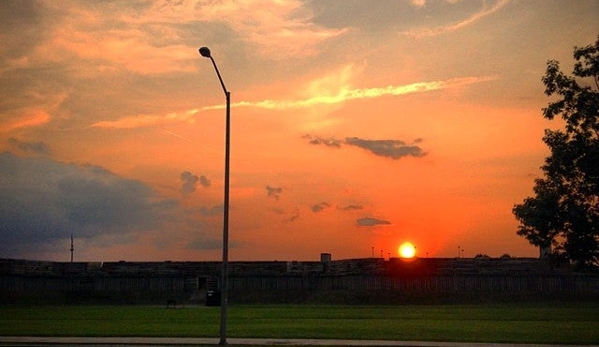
[[72, 248]]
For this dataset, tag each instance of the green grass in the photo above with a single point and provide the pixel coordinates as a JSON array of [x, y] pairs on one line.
[[565, 323]]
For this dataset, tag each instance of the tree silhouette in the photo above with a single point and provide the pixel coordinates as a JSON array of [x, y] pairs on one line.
[[564, 213]]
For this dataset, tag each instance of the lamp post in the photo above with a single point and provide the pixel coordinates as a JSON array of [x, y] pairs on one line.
[[205, 52]]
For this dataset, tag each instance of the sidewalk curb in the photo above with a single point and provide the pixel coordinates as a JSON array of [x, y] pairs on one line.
[[193, 341]]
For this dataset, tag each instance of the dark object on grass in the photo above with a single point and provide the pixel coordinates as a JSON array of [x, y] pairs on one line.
[[172, 302]]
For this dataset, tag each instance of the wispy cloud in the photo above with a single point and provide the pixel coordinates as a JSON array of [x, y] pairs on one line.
[[276, 29], [346, 94], [27, 118], [475, 17], [343, 95], [279, 29], [420, 3], [152, 38], [148, 120]]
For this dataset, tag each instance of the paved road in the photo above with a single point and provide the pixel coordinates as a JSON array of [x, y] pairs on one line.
[[191, 341]]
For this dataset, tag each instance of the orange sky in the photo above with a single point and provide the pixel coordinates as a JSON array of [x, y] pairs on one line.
[[356, 125]]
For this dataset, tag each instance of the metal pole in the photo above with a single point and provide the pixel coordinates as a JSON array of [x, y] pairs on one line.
[[205, 52], [224, 275]]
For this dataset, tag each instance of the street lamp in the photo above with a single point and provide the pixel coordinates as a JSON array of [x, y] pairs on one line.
[[205, 52]]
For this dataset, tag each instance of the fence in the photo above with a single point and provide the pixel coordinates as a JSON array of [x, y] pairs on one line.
[[583, 284], [360, 280]]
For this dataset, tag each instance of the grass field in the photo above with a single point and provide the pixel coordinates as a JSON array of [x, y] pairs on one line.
[[563, 323]]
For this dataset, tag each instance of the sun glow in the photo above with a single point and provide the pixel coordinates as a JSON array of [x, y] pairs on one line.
[[406, 250]]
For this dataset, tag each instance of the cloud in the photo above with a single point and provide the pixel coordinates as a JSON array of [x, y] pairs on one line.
[[205, 244], [294, 215], [418, 3], [144, 120], [189, 183], [342, 94], [155, 37], [351, 207], [204, 181], [212, 243], [106, 37], [371, 222], [346, 94], [25, 118], [39, 148], [44, 201], [394, 149], [20, 23], [274, 192], [319, 207], [329, 142], [212, 211], [276, 29], [278, 211], [485, 11]]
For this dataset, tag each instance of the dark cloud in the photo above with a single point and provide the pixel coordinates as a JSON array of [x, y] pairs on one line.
[[370, 222], [21, 27], [38, 148], [44, 200], [319, 207], [189, 183], [211, 243], [289, 217], [212, 211], [294, 215], [317, 140], [394, 149], [205, 244], [351, 207], [274, 192], [360, 14], [204, 181]]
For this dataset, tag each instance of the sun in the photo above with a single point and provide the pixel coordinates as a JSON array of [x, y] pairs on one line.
[[407, 250]]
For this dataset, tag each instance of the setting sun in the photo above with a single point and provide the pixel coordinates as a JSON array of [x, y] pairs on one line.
[[406, 250]]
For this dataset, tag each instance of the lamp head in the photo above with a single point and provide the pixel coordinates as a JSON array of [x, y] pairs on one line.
[[205, 52]]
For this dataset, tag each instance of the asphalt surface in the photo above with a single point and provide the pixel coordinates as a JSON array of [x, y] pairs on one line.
[[187, 342]]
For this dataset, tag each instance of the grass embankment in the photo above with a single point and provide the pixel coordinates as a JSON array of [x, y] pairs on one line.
[[572, 323]]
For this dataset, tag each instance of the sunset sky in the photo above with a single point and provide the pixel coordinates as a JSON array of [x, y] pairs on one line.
[[356, 125]]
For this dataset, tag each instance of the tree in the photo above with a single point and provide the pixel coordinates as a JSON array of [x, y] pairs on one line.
[[564, 213]]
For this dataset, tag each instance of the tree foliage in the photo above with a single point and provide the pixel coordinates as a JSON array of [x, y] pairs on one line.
[[564, 212]]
